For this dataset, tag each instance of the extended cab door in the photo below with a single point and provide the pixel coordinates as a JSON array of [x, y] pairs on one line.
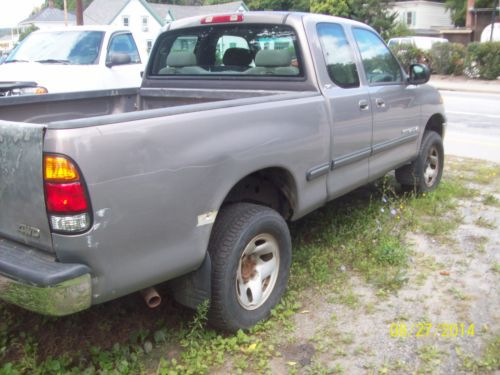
[[396, 114], [349, 108]]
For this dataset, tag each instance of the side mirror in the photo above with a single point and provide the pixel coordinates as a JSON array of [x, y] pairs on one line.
[[419, 74], [118, 58]]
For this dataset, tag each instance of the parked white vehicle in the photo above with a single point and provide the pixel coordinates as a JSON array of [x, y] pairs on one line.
[[79, 58], [423, 42], [486, 34]]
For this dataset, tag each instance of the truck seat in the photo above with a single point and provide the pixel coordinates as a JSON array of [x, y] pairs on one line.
[[273, 62], [182, 63]]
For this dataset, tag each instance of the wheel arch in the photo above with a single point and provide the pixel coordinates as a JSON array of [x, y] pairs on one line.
[[274, 187], [436, 123]]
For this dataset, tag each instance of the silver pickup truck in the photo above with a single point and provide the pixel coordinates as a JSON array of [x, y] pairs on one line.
[[243, 122]]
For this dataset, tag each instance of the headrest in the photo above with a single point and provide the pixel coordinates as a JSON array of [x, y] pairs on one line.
[[179, 59], [273, 58], [237, 56]]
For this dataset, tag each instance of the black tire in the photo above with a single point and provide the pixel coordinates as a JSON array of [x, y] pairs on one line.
[[239, 228], [424, 173]]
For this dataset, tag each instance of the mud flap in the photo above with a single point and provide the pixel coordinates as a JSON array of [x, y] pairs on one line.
[[194, 288]]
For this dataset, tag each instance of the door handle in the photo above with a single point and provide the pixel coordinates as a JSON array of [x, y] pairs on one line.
[[380, 103], [363, 104]]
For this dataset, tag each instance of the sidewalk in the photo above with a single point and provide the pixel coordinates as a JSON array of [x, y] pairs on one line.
[[453, 83]]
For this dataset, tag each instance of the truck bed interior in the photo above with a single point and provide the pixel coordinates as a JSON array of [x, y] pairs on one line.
[[71, 110]]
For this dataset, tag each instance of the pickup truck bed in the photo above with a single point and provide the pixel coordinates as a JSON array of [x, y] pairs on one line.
[[53, 109]]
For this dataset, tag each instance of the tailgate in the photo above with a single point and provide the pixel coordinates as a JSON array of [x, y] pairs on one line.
[[23, 216]]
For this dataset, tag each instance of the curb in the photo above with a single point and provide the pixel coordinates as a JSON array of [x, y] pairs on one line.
[[479, 90], [485, 87]]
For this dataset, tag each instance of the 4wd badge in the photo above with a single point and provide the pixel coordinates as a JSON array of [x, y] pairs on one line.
[[28, 231]]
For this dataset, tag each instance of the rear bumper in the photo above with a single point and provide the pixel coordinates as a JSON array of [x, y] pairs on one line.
[[35, 281]]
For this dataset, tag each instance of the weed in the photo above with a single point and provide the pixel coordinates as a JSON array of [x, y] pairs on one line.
[[495, 267], [489, 361], [485, 223], [430, 358], [491, 200]]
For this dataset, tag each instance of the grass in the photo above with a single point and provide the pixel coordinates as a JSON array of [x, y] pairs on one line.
[[430, 358], [362, 234]]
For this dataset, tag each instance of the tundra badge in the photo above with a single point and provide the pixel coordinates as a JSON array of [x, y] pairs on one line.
[[28, 231]]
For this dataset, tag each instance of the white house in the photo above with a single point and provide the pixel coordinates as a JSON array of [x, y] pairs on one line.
[[136, 15], [145, 19], [423, 17]]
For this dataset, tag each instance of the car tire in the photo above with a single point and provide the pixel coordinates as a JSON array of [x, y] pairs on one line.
[[250, 249], [424, 173]]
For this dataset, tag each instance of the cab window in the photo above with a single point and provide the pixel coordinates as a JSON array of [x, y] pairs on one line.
[[338, 55], [124, 44], [380, 65]]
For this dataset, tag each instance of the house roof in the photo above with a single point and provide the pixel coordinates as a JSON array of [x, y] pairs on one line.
[[103, 12], [171, 12], [48, 15]]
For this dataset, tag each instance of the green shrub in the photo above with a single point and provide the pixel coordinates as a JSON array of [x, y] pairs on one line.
[[408, 54], [483, 60], [448, 58]]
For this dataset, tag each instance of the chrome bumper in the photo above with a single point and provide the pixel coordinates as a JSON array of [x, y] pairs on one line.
[[36, 282]]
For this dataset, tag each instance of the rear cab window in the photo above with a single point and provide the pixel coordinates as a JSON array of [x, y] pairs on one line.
[[225, 50], [338, 55]]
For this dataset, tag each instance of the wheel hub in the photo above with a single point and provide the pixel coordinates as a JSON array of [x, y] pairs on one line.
[[431, 169], [257, 271]]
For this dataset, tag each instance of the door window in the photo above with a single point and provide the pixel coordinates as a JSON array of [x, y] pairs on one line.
[[124, 44], [338, 55], [378, 61]]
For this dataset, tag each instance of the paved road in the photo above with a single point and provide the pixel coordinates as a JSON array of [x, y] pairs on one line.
[[473, 125]]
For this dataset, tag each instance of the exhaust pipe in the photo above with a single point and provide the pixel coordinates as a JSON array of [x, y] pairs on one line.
[[151, 297]]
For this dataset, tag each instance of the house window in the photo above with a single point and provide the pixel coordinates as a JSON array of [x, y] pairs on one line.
[[149, 45], [145, 21], [410, 18], [125, 21]]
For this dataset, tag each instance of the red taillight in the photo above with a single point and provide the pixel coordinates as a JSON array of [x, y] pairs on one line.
[[222, 19], [65, 195], [66, 198]]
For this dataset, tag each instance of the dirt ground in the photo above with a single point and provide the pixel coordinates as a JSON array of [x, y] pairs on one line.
[[453, 283]]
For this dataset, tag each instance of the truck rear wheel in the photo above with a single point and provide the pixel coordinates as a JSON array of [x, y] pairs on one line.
[[424, 173], [250, 249]]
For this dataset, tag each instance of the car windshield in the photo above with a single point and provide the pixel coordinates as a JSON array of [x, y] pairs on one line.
[[228, 50], [60, 47]]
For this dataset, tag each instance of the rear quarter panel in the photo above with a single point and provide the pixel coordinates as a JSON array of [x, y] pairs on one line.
[[149, 180]]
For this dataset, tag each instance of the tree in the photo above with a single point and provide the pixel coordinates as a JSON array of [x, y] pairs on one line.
[[27, 31], [372, 12], [71, 4], [297, 5], [458, 9]]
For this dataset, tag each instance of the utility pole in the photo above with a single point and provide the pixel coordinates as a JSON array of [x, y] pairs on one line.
[[79, 12], [65, 12], [493, 17]]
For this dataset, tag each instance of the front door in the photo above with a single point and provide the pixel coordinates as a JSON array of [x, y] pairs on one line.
[[396, 115]]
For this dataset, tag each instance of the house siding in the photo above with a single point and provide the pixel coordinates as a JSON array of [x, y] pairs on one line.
[[135, 11], [427, 14]]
